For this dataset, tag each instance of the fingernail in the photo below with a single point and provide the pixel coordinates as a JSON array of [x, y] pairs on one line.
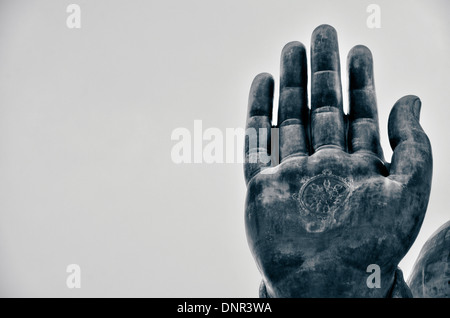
[[416, 108]]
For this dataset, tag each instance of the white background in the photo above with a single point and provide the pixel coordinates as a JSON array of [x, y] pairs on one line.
[[86, 116]]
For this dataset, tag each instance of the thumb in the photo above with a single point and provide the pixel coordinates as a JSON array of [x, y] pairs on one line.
[[412, 162]]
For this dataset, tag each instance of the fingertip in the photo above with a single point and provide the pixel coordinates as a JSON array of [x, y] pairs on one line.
[[360, 67], [324, 39], [408, 99], [293, 65], [410, 102], [261, 95], [359, 57], [324, 32], [360, 50], [262, 83], [294, 45], [324, 29], [263, 78], [324, 49], [404, 119]]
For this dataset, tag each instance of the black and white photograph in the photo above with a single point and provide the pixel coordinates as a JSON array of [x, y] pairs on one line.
[[253, 149]]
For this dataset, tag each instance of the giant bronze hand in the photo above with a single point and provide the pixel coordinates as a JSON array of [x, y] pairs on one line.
[[333, 205]]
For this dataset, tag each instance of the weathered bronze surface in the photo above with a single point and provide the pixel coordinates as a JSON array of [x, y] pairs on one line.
[[430, 277], [333, 206]]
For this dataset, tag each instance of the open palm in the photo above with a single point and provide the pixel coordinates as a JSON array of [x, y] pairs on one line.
[[333, 206]]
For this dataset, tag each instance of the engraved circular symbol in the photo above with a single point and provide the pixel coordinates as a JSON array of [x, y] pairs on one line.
[[323, 195], [321, 199]]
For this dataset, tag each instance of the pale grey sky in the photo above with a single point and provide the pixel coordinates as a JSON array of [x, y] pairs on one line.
[[86, 117]]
